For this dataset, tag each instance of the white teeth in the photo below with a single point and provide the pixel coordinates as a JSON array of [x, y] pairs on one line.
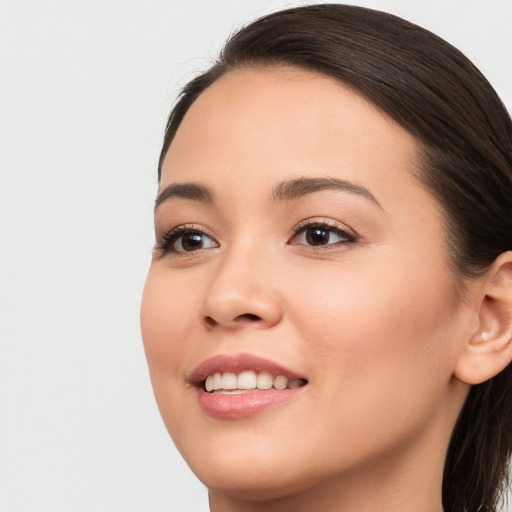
[[217, 381], [248, 380], [229, 381], [264, 381], [280, 382]]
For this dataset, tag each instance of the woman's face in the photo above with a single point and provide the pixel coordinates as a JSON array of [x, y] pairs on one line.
[[294, 242]]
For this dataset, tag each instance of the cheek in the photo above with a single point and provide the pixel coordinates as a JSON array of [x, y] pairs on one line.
[[383, 354], [164, 311], [374, 330]]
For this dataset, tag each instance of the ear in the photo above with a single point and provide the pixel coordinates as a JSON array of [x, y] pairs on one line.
[[489, 349]]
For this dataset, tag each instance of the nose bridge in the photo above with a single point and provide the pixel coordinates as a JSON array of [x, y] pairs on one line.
[[241, 289]]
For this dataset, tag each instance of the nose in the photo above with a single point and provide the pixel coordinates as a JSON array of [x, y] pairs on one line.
[[241, 292]]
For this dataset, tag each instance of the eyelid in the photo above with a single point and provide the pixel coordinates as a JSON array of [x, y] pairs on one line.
[[329, 224], [164, 247], [323, 221]]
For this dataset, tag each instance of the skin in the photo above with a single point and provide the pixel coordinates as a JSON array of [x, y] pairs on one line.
[[377, 325]]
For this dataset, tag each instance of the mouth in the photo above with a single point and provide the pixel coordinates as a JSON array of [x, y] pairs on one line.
[[243, 385]]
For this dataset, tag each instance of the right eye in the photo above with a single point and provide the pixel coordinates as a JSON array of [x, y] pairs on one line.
[[184, 239]]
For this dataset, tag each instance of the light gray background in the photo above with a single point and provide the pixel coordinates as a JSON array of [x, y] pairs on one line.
[[85, 88]]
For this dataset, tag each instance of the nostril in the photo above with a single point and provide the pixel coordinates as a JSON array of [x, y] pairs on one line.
[[237, 321], [210, 321], [248, 316]]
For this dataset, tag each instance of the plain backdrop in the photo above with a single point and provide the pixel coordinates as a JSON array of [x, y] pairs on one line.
[[85, 88]]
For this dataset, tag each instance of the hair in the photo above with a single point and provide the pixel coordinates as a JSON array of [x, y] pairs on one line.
[[464, 135]]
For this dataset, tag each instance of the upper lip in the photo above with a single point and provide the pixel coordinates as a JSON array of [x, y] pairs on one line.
[[238, 363]]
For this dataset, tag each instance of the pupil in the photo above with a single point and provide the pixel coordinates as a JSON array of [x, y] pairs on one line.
[[317, 236], [192, 242]]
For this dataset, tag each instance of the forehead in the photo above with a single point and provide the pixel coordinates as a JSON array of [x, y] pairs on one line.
[[263, 125]]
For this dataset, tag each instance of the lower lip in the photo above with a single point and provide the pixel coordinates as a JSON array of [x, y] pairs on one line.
[[240, 405]]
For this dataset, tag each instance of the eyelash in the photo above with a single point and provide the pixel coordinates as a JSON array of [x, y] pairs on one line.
[[165, 246], [326, 225]]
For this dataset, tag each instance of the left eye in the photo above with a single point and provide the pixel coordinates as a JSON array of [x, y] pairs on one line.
[[317, 235]]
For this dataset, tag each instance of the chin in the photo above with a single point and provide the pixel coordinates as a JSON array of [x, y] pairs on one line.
[[246, 467], [254, 482]]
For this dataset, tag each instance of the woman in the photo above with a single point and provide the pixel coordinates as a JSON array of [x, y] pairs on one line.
[[328, 314]]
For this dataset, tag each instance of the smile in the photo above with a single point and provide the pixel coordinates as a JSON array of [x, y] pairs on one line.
[[235, 386]]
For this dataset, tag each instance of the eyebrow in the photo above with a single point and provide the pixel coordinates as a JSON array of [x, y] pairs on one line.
[[192, 191], [285, 191], [300, 187]]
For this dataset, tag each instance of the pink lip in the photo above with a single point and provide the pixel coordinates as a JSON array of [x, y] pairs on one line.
[[242, 404]]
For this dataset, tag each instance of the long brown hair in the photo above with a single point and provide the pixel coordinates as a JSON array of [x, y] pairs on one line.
[[465, 137]]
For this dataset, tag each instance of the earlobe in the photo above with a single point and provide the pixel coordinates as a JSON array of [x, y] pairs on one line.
[[489, 350]]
